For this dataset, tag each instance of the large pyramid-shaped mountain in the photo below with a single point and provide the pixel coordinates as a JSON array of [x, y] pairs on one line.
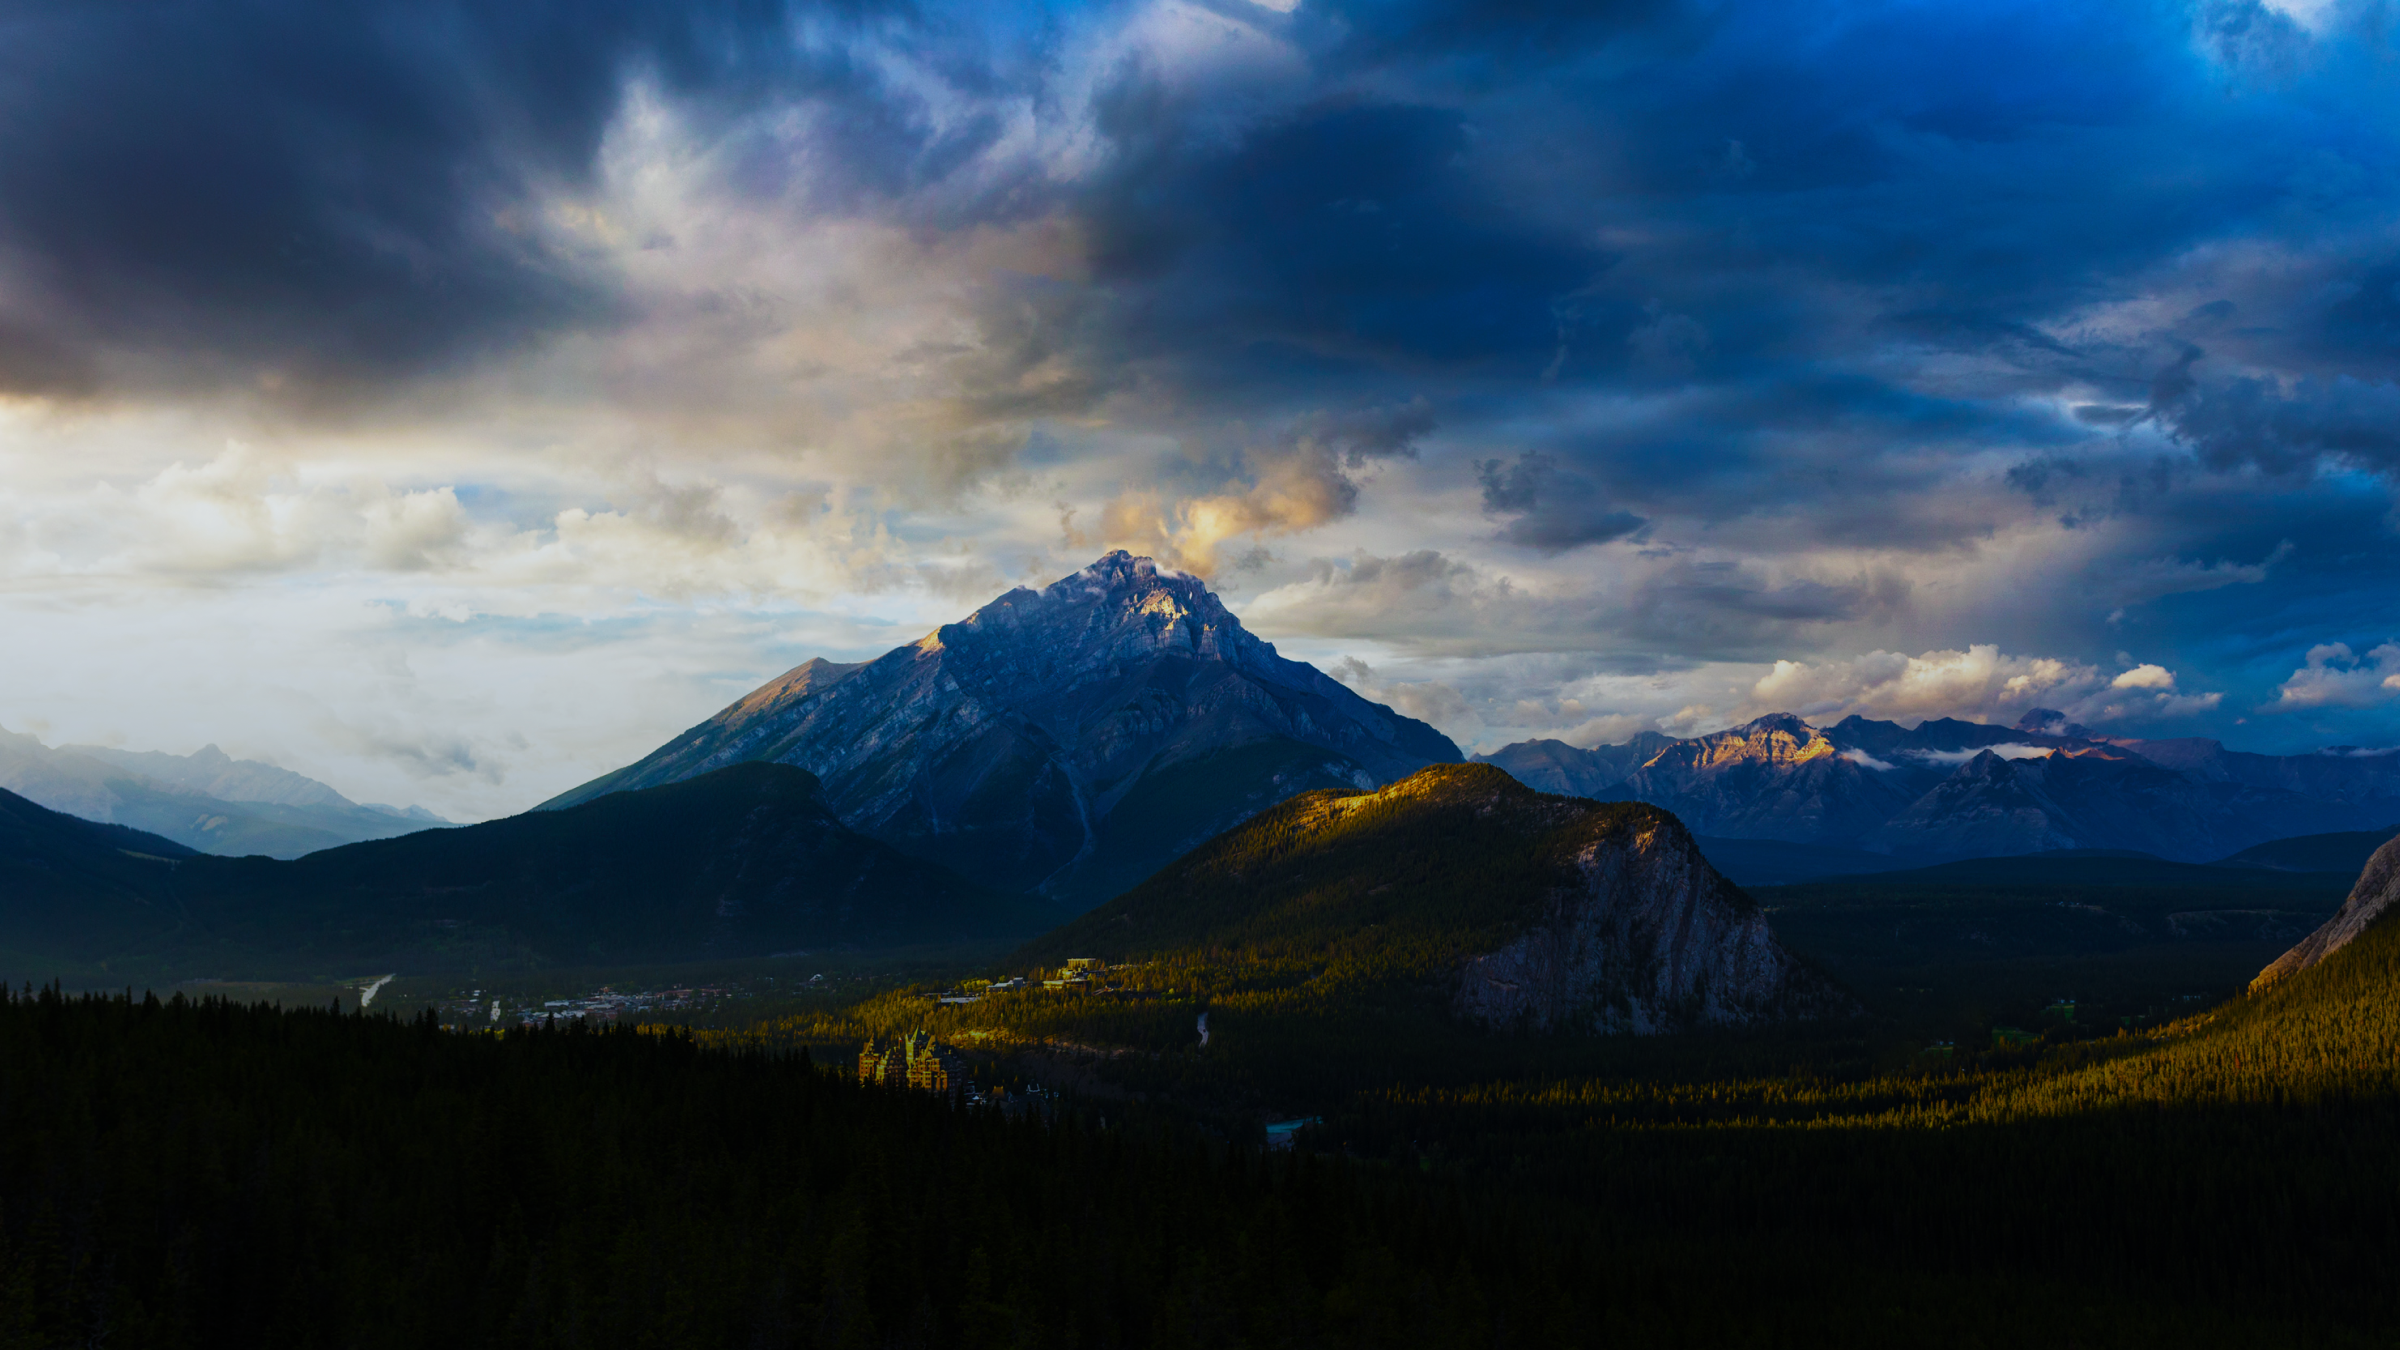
[[1072, 739]]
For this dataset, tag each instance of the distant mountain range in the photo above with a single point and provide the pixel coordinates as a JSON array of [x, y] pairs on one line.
[[1953, 789], [1069, 741], [743, 862], [207, 801]]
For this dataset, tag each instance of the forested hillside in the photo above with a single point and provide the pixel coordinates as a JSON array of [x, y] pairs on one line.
[[198, 1175], [1461, 887], [2241, 1157]]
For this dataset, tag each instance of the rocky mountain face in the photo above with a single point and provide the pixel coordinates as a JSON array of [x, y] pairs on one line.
[[207, 800], [1642, 935], [1951, 789], [2375, 895], [727, 738], [1527, 910], [1071, 739], [1777, 778]]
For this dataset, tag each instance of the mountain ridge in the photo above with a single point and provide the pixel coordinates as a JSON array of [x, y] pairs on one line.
[[69, 882], [207, 801], [1950, 788], [1068, 740], [746, 861]]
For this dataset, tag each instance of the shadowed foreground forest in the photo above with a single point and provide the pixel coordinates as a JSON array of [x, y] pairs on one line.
[[203, 1174]]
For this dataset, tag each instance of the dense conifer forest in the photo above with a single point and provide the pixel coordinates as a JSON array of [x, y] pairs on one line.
[[205, 1173]]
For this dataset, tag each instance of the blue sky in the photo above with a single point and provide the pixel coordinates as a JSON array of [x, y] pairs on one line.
[[453, 401]]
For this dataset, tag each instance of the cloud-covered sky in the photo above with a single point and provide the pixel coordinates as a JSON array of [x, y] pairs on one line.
[[452, 401]]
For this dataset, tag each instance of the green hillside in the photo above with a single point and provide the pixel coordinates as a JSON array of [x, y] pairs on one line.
[[2225, 1178], [2239, 1158], [1449, 861], [1327, 941]]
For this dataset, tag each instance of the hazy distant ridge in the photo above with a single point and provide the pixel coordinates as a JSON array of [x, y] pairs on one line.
[[207, 800]]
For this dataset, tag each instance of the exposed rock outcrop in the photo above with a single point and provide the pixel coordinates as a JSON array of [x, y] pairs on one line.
[[1643, 935], [2377, 891]]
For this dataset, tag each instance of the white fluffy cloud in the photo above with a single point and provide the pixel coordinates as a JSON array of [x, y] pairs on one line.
[[1980, 684], [2334, 676], [1954, 757]]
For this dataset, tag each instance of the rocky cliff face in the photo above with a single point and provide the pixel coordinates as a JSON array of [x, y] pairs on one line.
[[1950, 789], [1642, 935], [2377, 892], [1071, 739]]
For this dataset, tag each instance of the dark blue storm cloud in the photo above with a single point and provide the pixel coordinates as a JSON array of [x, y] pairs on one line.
[[1814, 273], [329, 187]]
